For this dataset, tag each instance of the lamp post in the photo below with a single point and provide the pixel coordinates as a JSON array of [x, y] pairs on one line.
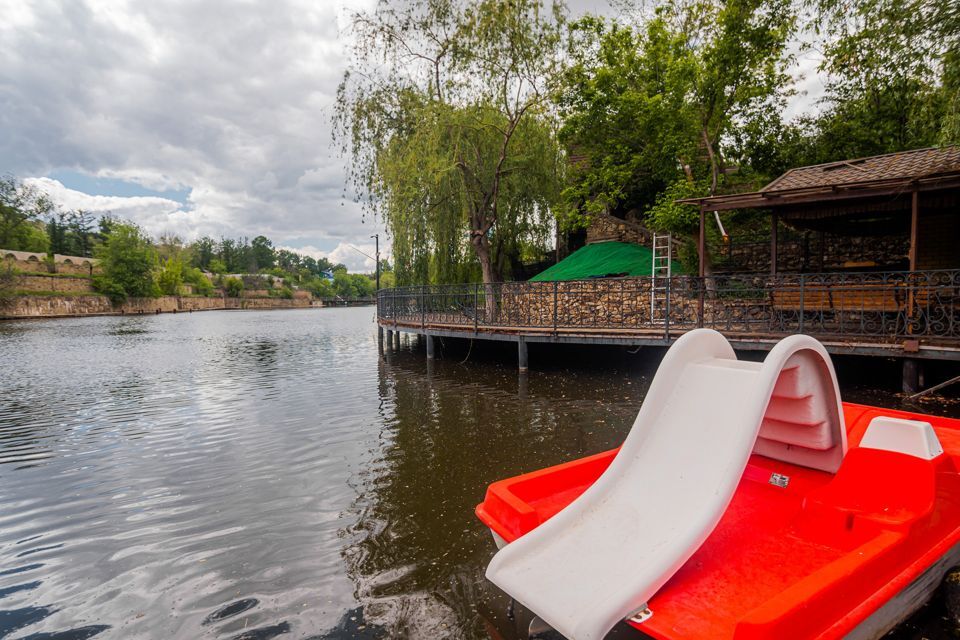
[[376, 238]]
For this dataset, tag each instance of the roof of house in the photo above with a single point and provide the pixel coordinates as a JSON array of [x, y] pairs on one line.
[[914, 164], [892, 174], [602, 259]]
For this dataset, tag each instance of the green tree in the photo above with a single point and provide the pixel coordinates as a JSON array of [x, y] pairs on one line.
[[261, 250], [31, 236], [446, 118], [893, 63], [127, 259], [203, 252], [169, 275], [321, 288], [650, 110], [22, 207], [217, 266]]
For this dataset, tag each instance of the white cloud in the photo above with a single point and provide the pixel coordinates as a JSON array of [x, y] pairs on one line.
[[228, 101], [344, 253]]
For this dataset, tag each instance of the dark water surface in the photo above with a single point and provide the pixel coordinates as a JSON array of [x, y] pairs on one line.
[[261, 474]]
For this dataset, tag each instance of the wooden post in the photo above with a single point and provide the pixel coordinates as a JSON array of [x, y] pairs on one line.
[[429, 346], [380, 339], [823, 249], [774, 220], [914, 224], [522, 354], [911, 375], [702, 244], [396, 340], [389, 339], [702, 247]]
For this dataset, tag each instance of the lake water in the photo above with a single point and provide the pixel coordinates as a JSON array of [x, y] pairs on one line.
[[248, 475]]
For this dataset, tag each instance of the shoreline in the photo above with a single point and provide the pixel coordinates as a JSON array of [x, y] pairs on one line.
[[25, 307]]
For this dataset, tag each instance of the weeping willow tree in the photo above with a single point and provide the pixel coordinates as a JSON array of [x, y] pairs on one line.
[[444, 113]]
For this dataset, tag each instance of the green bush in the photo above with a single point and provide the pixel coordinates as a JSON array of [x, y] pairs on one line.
[[170, 276], [201, 283], [233, 287], [128, 259], [110, 288], [218, 266], [320, 287]]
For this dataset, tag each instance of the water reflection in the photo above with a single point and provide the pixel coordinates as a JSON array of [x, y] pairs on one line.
[[416, 551], [255, 475]]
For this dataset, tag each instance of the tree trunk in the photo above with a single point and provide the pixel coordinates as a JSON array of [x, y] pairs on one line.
[[481, 244]]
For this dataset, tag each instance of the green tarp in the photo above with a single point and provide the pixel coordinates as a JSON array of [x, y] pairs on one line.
[[602, 259]]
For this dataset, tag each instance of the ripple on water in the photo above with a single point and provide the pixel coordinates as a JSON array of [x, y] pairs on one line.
[[261, 474]]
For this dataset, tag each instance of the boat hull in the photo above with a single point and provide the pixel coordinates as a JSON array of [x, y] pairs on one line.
[[823, 556]]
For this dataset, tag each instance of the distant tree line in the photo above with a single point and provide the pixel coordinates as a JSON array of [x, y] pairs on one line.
[[135, 265]]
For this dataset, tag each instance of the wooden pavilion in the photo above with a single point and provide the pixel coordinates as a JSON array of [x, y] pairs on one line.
[[909, 290], [913, 193]]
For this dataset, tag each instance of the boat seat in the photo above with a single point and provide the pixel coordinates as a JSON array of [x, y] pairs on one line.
[[911, 437], [889, 487]]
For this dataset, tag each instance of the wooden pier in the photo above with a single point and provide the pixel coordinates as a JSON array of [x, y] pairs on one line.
[[911, 315]]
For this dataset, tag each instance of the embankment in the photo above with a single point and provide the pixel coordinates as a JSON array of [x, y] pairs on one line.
[[54, 305]]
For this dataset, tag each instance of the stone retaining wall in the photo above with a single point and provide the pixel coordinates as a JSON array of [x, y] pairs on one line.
[[604, 228], [38, 282], [618, 302], [83, 305], [811, 252]]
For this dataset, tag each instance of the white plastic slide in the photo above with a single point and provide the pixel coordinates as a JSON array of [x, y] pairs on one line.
[[601, 558]]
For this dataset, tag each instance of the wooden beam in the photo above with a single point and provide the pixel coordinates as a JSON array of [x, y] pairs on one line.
[[811, 195], [774, 220], [702, 245], [914, 225]]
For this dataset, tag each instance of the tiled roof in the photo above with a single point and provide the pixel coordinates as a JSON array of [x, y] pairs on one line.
[[902, 165]]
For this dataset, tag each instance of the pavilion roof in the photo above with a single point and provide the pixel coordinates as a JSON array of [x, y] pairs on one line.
[[888, 174]]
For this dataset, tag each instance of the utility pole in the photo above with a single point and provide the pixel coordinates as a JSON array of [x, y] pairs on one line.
[[376, 238]]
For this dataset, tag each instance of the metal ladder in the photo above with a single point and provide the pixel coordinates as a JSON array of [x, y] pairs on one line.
[[660, 276]]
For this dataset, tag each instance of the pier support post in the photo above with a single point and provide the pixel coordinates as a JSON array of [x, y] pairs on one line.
[[429, 339], [911, 375], [522, 354], [396, 340], [389, 339], [380, 339]]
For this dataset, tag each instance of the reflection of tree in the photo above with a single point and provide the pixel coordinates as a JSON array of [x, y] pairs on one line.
[[417, 553]]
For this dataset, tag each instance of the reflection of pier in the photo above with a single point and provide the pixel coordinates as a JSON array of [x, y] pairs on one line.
[[338, 301], [912, 315]]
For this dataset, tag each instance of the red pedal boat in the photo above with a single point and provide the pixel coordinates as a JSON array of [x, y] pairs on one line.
[[846, 550]]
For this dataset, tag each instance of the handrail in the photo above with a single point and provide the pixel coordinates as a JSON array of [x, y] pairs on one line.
[[883, 306]]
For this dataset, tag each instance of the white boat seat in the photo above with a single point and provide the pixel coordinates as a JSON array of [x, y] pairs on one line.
[[911, 437]]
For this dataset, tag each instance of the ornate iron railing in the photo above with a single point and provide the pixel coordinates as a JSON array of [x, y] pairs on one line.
[[882, 306]]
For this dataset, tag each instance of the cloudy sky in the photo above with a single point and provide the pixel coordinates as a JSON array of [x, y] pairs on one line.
[[195, 118]]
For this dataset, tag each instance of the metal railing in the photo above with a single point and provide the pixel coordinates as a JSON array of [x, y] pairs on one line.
[[882, 306]]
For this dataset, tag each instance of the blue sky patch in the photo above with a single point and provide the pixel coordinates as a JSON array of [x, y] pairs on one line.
[[95, 186]]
